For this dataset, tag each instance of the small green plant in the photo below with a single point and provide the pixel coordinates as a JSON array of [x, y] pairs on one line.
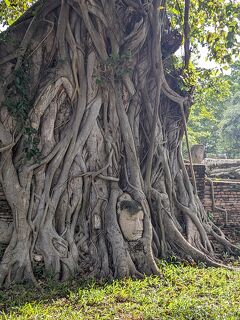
[[115, 67], [210, 215], [17, 100], [120, 64], [31, 143], [19, 105]]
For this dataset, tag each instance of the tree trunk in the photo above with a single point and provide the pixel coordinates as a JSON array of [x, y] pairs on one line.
[[91, 132]]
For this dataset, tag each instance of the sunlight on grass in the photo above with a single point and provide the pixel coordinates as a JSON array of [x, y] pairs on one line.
[[184, 293]]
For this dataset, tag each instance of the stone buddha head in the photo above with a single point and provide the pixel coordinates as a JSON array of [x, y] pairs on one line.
[[130, 217]]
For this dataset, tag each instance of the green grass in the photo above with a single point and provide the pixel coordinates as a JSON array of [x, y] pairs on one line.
[[185, 292]]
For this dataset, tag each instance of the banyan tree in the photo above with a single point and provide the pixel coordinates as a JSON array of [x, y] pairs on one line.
[[91, 123]]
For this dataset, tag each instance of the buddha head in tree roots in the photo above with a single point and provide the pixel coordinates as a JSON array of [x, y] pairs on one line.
[[130, 217]]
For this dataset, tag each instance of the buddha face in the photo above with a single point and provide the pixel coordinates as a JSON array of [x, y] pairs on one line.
[[130, 217]]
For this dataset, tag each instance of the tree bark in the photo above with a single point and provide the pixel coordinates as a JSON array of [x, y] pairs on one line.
[[87, 114]]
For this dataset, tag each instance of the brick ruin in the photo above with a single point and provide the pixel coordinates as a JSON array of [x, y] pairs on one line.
[[218, 186], [220, 196], [227, 196]]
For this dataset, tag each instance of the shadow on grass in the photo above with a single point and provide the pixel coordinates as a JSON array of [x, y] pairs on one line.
[[50, 290]]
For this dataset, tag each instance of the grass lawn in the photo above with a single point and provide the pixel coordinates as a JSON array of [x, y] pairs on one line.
[[185, 292]]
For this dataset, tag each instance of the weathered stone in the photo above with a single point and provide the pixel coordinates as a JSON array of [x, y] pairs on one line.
[[130, 218]]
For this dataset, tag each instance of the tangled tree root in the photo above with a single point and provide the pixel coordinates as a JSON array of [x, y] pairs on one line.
[[87, 114]]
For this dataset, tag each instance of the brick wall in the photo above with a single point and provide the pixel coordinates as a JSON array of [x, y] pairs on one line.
[[227, 196]]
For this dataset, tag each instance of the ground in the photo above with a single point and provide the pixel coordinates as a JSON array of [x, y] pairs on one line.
[[186, 292]]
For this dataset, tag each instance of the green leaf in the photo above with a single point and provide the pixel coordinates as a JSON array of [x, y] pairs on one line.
[[8, 3], [174, 11]]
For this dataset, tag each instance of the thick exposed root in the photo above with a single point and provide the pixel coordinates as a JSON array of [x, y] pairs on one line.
[[16, 265]]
